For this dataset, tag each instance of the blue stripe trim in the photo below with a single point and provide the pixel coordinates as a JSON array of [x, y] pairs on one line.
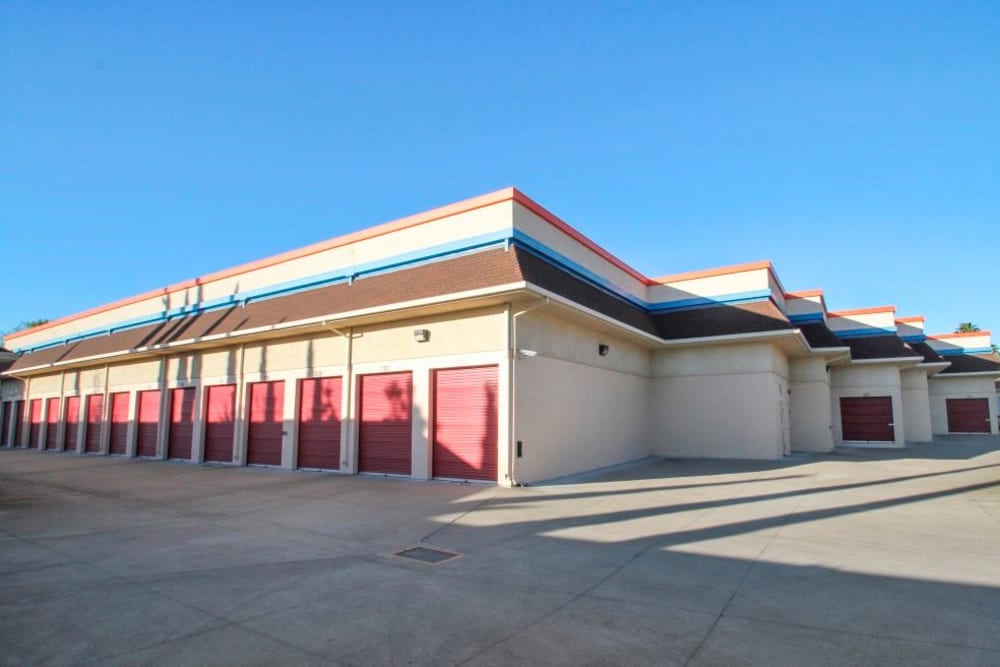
[[428, 255], [913, 338], [504, 238], [805, 318], [964, 350], [530, 244], [863, 333], [697, 302]]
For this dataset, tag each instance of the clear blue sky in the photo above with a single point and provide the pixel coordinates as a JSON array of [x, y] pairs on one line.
[[856, 145]]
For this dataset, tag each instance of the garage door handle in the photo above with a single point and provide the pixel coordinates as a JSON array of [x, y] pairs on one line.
[[890, 424]]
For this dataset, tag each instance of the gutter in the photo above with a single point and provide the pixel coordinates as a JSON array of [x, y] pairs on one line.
[[169, 348], [348, 386]]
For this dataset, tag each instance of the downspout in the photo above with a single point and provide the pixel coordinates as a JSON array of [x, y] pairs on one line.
[[348, 386], [238, 446], [512, 361]]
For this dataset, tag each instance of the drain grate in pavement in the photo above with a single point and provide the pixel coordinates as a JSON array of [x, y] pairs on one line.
[[429, 555]]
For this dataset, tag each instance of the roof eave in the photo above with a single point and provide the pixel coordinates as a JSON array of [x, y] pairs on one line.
[[268, 331]]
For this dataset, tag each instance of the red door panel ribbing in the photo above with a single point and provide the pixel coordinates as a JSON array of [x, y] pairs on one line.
[[385, 434], [118, 441], [319, 423], [867, 419], [148, 419], [7, 409], [71, 416], [220, 423], [267, 400], [18, 423], [181, 423], [465, 423], [95, 410], [34, 421], [52, 423], [968, 415]]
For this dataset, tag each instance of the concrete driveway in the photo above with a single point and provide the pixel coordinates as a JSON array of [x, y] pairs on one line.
[[858, 557]]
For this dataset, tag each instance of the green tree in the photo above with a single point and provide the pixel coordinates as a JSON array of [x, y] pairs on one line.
[[27, 324], [966, 327]]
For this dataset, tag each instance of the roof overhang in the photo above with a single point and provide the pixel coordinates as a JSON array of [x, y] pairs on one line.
[[791, 340], [982, 374], [902, 362], [367, 316], [935, 367]]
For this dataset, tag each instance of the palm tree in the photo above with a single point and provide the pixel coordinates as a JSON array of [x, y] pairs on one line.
[[966, 327]]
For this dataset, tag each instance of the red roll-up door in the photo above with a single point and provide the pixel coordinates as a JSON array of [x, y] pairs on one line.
[[7, 409], [18, 423], [118, 441], [148, 419], [181, 423], [385, 434], [968, 415], [465, 423], [267, 401], [319, 423], [34, 421], [71, 415], [95, 410], [52, 423], [867, 419], [220, 422]]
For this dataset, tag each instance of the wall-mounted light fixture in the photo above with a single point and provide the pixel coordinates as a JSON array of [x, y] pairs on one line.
[[421, 335], [603, 350]]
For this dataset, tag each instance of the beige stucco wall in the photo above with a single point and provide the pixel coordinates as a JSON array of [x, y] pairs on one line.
[[45, 385], [327, 349], [804, 305], [574, 409], [708, 286], [952, 343], [454, 228], [456, 333], [724, 401], [915, 328], [811, 418], [942, 387], [916, 405], [884, 319], [868, 380], [145, 372]]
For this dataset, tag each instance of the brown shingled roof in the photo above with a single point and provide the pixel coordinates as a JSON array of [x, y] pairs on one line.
[[819, 335], [971, 363], [722, 320], [879, 347], [539, 272], [930, 356], [480, 270]]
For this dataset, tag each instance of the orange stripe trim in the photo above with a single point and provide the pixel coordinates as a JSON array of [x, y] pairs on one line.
[[964, 334], [708, 273], [554, 220], [862, 311], [380, 230], [804, 294], [915, 318]]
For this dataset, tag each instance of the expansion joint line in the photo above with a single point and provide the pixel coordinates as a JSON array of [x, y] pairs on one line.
[[739, 584]]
